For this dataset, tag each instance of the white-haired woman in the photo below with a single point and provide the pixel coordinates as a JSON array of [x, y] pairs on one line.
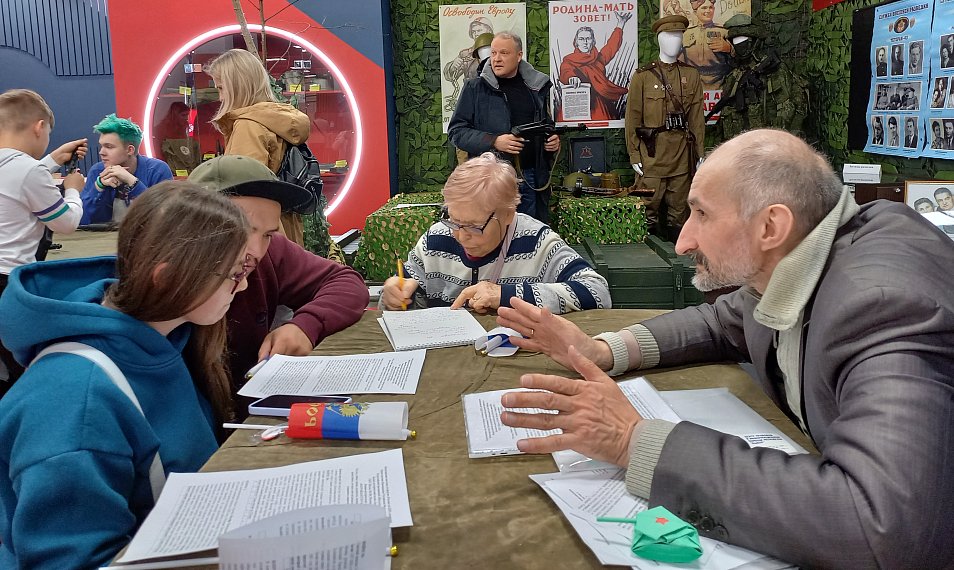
[[482, 253]]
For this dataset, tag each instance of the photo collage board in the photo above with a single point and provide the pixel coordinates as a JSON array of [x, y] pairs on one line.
[[912, 90]]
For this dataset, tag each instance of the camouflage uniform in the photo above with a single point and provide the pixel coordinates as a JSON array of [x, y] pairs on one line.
[[782, 101], [668, 171]]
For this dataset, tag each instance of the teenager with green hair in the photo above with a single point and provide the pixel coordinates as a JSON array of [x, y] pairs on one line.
[[122, 173]]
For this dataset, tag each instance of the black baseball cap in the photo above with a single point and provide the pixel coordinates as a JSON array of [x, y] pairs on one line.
[[236, 175]]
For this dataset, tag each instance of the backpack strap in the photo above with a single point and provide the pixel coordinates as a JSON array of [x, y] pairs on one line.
[[157, 477]]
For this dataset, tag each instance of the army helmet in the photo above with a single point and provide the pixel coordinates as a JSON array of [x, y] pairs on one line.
[[742, 25]]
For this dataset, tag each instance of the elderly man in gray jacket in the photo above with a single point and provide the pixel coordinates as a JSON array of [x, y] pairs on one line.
[[846, 313]]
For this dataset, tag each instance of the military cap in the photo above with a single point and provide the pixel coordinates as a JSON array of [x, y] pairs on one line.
[[674, 23], [741, 25]]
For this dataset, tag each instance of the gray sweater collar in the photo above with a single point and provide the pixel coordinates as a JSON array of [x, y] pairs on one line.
[[796, 276]]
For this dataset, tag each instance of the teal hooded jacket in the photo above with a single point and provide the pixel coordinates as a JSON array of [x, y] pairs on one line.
[[74, 450]]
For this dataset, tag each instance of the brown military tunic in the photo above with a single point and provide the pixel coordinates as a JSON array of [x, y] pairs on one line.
[[647, 105]]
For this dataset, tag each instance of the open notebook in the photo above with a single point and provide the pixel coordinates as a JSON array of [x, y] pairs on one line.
[[438, 327]]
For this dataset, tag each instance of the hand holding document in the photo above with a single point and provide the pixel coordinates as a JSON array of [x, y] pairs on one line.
[[382, 373], [194, 510]]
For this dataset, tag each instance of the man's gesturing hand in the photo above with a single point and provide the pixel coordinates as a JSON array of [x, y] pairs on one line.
[[596, 418]]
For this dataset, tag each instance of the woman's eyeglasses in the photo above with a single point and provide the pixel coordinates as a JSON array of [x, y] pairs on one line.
[[247, 267], [454, 226]]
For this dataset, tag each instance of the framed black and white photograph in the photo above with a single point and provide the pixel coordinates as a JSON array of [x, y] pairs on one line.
[[934, 199]]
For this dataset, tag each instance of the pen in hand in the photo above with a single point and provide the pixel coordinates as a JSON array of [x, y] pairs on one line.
[[400, 269], [251, 372]]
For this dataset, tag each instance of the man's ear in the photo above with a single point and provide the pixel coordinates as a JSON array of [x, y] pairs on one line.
[[131, 149], [776, 227], [38, 127]]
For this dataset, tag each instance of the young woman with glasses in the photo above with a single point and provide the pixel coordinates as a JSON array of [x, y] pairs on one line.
[[482, 252], [76, 452]]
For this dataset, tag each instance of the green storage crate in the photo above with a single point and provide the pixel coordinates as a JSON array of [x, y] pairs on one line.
[[643, 275]]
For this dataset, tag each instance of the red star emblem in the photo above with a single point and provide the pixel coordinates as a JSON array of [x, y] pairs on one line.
[[661, 520]]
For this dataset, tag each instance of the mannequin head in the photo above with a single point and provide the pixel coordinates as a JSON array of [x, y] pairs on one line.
[[670, 45], [669, 30]]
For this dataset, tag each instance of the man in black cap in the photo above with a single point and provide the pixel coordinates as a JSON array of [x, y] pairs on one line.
[[665, 127], [325, 296]]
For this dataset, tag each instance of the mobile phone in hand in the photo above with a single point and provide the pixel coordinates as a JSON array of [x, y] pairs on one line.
[[279, 405]]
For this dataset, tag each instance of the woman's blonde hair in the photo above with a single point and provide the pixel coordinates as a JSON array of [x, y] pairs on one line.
[[484, 179], [244, 80], [176, 245]]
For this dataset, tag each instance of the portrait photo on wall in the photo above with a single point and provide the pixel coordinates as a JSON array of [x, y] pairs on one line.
[[881, 58], [947, 51], [877, 129], [897, 59], [916, 58], [591, 62], [893, 135], [934, 199], [939, 94]]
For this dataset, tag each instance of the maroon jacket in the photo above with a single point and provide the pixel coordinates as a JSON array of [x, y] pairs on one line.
[[325, 296]]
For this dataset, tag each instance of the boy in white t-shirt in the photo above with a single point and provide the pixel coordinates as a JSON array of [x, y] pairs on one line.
[[29, 200]]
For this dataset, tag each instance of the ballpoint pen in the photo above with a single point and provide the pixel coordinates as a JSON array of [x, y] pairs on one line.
[[493, 343], [251, 372], [400, 268]]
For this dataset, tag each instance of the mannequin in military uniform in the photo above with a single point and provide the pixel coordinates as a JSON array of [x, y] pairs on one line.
[[664, 132], [761, 91]]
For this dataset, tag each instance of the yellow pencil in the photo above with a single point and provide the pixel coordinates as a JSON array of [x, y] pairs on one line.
[[400, 267]]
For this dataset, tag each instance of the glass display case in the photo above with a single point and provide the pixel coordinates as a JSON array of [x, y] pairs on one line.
[[183, 136]]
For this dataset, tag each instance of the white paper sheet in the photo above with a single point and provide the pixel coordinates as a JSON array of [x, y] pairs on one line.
[[195, 509], [337, 537], [437, 327], [380, 373], [587, 495], [487, 436]]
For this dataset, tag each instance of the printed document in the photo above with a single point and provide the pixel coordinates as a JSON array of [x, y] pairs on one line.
[[585, 496], [337, 537], [438, 327], [486, 434], [195, 509], [380, 373]]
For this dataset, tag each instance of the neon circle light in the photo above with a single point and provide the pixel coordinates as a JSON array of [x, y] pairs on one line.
[[235, 28]]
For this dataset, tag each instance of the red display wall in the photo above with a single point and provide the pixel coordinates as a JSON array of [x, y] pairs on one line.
[[149, 37]]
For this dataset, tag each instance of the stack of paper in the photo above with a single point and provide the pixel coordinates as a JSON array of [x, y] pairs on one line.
[[195, 509]]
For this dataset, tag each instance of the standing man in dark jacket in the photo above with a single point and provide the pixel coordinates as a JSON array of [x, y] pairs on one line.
[[325, 296], [509, 92]]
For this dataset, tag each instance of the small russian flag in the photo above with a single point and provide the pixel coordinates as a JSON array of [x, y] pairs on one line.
[[325, 421]]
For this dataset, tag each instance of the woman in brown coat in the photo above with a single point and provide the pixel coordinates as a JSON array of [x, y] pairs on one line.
[[253, 122]]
